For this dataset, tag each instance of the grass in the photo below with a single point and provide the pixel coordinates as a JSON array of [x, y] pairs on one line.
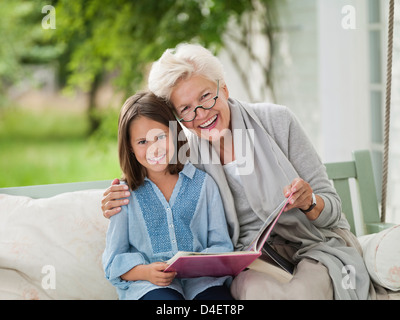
[[52, 146]]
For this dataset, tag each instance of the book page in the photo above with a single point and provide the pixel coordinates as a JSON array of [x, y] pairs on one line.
[[187, 254], [267, 227]]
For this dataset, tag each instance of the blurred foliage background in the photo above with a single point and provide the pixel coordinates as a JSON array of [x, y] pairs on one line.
[[96, 45]]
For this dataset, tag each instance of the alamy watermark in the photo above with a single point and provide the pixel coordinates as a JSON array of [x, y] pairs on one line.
[[349, 18], [49, 278], [349, 278], [208, 151], [49, 20]]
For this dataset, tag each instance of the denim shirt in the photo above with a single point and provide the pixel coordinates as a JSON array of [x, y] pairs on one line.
[[150, 229]]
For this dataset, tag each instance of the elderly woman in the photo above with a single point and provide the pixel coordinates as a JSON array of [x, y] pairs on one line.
[[262, 155]]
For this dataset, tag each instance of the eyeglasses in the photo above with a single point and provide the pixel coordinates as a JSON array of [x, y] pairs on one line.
[[190, 113]]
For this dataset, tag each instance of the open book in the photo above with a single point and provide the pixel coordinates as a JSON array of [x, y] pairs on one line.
[[199, 264]]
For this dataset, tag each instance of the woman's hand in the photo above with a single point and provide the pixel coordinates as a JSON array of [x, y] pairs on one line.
[[112, 198], [302, 198]]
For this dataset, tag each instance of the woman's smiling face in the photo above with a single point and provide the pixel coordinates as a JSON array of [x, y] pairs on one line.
[[194, 91]]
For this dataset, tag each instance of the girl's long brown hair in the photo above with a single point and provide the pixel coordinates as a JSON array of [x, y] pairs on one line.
[[148, 105]]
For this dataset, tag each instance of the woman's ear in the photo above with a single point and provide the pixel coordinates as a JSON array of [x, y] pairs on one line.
[[225, 91]]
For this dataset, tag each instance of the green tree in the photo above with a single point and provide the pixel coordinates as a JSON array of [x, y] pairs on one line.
[[123, 37], [96, 38], [23, 42]]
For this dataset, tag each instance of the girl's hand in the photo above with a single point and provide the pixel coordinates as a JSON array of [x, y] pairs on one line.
[[112, 198], [152, 272], [156, 275]]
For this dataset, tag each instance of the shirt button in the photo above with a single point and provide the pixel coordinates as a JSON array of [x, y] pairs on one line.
[[173, 241]]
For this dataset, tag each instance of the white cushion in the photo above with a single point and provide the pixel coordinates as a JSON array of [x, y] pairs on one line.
[[382, 257], [51, 242]]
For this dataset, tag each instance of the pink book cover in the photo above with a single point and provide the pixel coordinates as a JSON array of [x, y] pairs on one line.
[[216, 265], [192, 264]]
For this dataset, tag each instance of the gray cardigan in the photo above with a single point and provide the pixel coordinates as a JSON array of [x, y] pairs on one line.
[[283, 127], [282, 151]]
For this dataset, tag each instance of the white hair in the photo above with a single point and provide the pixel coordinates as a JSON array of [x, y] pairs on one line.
[[183, 62]]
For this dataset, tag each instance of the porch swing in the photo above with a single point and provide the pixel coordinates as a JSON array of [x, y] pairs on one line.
[[79, 202], [361, 168]]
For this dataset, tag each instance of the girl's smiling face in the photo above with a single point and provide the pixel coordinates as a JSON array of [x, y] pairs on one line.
[[208, 124], [151, 143]]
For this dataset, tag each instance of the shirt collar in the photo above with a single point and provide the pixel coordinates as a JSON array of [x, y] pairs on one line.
[[188, 170]]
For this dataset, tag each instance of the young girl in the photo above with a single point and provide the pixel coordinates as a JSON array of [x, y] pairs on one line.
[[173, 207]]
